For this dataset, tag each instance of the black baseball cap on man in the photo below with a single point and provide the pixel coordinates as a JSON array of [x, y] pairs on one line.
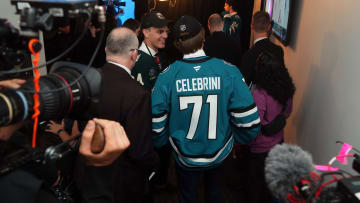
[[186, 27], [153, 19]]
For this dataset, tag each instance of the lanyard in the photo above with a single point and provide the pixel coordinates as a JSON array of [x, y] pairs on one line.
[[157, 59]]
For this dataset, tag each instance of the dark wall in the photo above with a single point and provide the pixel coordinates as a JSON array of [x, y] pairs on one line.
[[245, 11]]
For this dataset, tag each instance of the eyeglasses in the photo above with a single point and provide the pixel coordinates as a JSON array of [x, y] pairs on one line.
[[133, 49]]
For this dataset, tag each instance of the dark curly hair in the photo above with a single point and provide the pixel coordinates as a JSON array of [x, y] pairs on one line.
[[274, 78]]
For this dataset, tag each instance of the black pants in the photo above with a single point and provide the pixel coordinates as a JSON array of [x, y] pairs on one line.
[[161, 177], [257, 190], [189, 183]]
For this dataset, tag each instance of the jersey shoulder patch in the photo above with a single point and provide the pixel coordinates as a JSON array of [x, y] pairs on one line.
[[165, 70]]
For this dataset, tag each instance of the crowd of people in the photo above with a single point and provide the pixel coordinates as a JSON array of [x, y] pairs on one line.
[[195, 109]]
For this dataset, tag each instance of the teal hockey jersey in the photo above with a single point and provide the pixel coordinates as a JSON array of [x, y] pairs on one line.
[[201, 106]]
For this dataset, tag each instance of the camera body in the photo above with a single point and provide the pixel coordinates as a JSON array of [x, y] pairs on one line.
[[71, 89], [78, 101]]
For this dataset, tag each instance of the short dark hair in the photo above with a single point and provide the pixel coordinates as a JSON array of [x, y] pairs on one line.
[[132, 24], [191, 45], [261, 21], [232, 3]]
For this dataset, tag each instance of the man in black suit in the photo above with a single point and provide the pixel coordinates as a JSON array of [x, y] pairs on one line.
[[124, 100], [260, 26], [221, 45]]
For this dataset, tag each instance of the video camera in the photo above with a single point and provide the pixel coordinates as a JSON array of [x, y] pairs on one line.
[[116, 3], [289, 173], [71, 90]]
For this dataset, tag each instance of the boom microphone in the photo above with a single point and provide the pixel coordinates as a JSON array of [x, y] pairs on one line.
[[288, 172]]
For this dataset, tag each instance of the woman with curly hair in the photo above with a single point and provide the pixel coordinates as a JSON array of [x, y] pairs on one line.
[[273, 95]]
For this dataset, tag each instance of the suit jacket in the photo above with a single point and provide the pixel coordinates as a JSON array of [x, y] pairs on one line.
[[124, 100], [248, 62], [222, 46]]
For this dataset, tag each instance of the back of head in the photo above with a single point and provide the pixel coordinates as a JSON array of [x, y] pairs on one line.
[[215, 20], [120, 42], [189, 35], [273, 77], [261, 21], [132, 24]]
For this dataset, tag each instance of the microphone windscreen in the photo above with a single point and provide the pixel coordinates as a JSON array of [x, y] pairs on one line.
[[285, 166]]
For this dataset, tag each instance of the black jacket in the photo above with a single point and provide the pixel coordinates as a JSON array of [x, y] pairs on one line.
[[124, 100], [222, 46], [249, 58]]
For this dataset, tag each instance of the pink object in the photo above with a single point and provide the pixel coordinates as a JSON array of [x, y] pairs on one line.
[[325, 168], [345, 149]]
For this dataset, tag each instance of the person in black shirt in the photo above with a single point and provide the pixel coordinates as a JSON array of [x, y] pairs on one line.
[[23, 186], [260, 27], [221, 45]]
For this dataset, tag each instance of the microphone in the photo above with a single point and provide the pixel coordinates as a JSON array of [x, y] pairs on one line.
[[288, 171]]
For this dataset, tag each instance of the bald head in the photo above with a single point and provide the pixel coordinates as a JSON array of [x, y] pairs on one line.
[[215, 23], [120, 42]]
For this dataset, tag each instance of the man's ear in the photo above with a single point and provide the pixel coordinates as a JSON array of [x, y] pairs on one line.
[[145, 32], [269, 27], [134, 55]]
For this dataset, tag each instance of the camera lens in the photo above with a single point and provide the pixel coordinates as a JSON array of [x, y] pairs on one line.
[[13, 106], [75, 101]]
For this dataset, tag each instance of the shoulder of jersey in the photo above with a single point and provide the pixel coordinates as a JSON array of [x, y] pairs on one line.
[[167, 69], [229, 66], [228, 63], [221, 61]]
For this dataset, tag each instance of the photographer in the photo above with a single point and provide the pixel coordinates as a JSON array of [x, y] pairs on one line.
[[22, 186]]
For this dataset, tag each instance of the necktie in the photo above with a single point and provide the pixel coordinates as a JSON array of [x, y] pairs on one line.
[[157, 61]]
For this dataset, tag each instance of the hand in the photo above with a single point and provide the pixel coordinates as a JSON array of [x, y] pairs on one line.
[[13, 83], [7, 131], [75, 129], [116, 142], [55, 127]]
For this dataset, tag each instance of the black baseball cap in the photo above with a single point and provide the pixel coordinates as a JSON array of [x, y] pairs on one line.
[[186, 27], [154, 19]]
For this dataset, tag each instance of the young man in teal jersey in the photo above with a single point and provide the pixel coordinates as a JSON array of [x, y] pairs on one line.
[[150, 64], [201, 106]]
